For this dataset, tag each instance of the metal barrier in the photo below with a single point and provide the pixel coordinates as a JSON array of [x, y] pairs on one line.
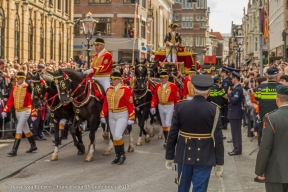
[[12, 121]]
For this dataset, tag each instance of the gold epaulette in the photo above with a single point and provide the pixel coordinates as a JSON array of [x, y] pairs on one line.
[[271, 112], [182, 100], [215, 104]]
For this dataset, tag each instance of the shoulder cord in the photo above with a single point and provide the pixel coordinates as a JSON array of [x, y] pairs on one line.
[[215, 123], [272, 127]]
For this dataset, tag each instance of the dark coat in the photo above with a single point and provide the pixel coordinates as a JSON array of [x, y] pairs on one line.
[[272, 158], [195, 116], [235, 106]]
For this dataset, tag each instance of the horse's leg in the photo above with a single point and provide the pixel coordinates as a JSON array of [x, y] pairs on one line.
[[145, 115], [80, 146], [108, 150], [131, 145], [54, 156], [104, 134], [139, 140], [94, 123], [151, 126], [74, 126]]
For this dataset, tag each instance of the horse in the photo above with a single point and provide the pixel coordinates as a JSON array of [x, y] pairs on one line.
[[44, 91]]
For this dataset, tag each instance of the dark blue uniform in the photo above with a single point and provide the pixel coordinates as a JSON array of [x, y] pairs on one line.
[[235, 115], [195, 151], [224, 110]]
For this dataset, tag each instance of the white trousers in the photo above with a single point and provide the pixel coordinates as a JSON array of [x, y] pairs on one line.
[[118, 124], [22, 118], [166, 113], [63, 121], [104, 81], [189, 98]]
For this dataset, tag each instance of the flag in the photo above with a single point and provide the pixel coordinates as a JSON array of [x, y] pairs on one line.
[[135, 22], [266, 23]]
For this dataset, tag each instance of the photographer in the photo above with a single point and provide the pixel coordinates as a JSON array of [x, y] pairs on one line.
[[4, 73]]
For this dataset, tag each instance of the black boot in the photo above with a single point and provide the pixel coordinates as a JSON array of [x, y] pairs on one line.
[[15, 148], [165, 133], [122, 154], [117, 158], [33, 145]]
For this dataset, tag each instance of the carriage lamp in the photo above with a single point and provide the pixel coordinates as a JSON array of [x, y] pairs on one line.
[[25, 5], [89, 25]]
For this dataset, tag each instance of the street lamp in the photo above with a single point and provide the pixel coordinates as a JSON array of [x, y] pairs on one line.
[[88, 25], [149, 50], [25, 5]]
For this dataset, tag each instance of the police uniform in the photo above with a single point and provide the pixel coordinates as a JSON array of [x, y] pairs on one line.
[[235, 114], [266, 95], [200, 143], [119, 104], [188, 86], [226, 83], [172, 40], [166, 96], [272, 156], [20, 98], [101, 66]]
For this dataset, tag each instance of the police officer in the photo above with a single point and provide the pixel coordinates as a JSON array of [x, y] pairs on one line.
[[216, 93], [272, 156], [266, 95], [226, 83], [200, 142], [235, 113]]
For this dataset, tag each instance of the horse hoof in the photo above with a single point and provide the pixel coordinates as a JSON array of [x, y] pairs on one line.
[[139, 143], [147, 139], [151, 135], [160, 136], [80, 153], [54, 157], [105, 136], [106, 153], [89, 158], [131, 149]]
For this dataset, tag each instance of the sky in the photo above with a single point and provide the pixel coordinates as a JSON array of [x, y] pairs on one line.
[[223, 12]]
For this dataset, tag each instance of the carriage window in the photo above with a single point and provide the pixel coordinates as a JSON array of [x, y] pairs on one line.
[[103, 26]]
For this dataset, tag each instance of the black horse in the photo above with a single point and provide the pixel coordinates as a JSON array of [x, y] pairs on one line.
[[44, 92]]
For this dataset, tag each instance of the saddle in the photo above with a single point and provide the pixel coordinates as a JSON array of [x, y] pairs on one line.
[[97, 90]]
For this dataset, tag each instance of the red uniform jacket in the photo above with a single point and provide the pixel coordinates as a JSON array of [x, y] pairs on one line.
[[118, 101], [188, 88], [21, 99], [102, 65], [165, 96]]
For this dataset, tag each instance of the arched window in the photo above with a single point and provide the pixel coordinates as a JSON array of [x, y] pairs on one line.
[[2, 33], [30, 40], [51, 43], [41, 43], [17, 39]]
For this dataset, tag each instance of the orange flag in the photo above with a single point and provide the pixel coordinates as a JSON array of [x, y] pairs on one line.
[[135, 22]]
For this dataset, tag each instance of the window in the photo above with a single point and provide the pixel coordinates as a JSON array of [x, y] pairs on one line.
[[201, 4], [67, 6], [187, 22], [60, 46], [176, 18], [103, 26], [144, 4], [17, 38], [99, 1], [186, 5], [77, 27], [202, 25], [51, 43], [41, 42], [200, 41], [129, 28], [256, 44], [129, 1], [177, 1], [2, 33], [30, 40], [76, 1], [59, 4], [143, 29]]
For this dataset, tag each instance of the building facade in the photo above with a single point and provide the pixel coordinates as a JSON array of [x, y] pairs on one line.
[[192, 19], [226, 37], [115, 23], [37, 29]]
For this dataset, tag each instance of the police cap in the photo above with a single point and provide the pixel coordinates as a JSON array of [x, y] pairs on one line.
[[202, 82], [236, 75], [216, 79], [272, 71]]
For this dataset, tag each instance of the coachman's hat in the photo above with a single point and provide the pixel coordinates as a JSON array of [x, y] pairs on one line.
[[116, 74], [192, 69], [99, 41], [20, 74], [163, 73], [202, 82], [173, 25]]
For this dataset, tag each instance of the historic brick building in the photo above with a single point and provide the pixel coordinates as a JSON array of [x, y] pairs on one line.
[[30, 30]]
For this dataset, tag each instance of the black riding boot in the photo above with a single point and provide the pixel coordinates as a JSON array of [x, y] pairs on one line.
[[33, 146], [15, 148], [166, 137], [122, 154], [117, 158]]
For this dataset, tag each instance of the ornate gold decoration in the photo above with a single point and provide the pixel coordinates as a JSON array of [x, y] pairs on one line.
[[106, 61], [52, 114], [77, 117], [38, 89], [77, 110], [131, 99], [62, 85]]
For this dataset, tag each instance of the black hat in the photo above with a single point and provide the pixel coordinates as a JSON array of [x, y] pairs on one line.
[[40, 65], [282, 89], [192, 69], [116, 74], [122, 63], [236, 75], [173, 25], [233, 69], [272, 71], [99, 41], [216, 79], [163, 73], [224, 69], [202, 82], [20, 74]]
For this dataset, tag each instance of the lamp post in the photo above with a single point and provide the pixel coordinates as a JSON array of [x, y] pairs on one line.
[[88, 25], [239, 40]]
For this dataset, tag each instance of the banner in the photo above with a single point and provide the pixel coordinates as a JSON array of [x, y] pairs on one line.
[[135, 22]]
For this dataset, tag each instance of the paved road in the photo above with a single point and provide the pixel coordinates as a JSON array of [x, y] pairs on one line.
[[143, 171]]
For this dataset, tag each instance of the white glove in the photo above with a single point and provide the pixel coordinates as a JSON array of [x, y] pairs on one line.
[[103, 120], [170, 164], [176, 44], [33, 118], [3, 114], [170, 44], [88, 71], [219, 170], [130, 122], [153, 111]]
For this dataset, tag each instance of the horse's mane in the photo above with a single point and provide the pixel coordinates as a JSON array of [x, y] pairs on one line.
[[47, 77], [73, 73]]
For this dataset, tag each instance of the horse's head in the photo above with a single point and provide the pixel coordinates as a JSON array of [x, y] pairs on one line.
[[63, 84], [141, 74], [39, 89]]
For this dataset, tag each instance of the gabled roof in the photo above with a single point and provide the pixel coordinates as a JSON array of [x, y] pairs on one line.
[[217, 35]]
